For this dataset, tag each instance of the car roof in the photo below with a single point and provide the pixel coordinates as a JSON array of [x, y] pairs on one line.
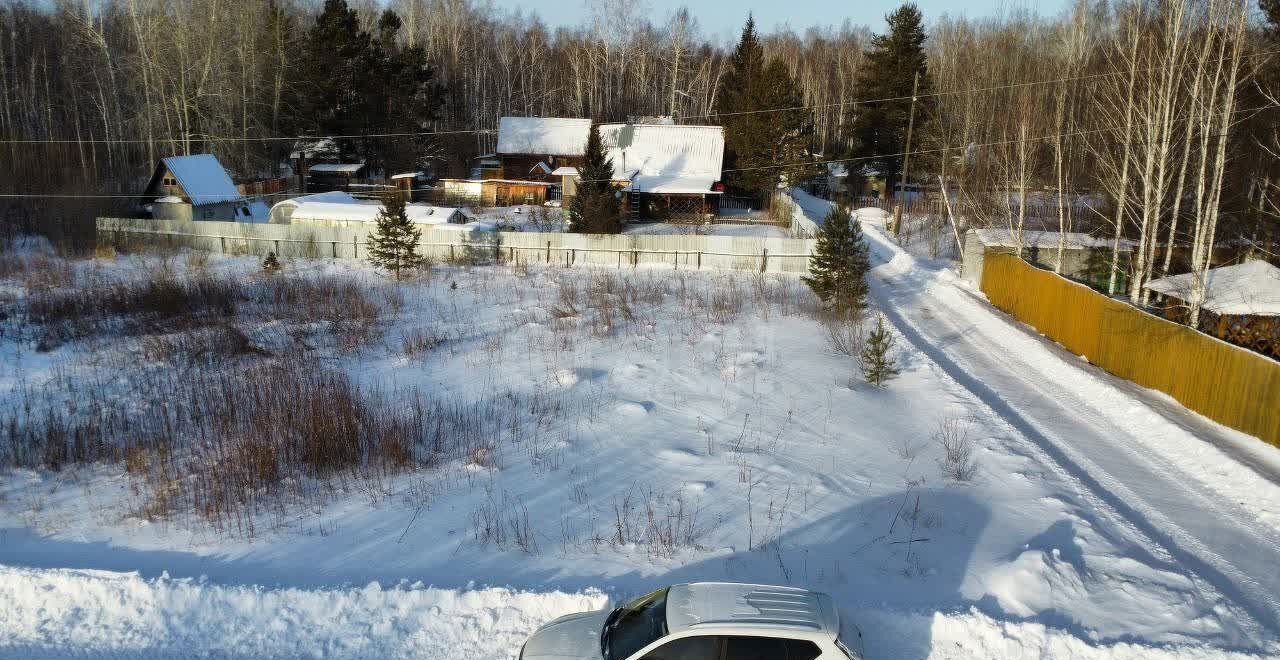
[[750, 606]]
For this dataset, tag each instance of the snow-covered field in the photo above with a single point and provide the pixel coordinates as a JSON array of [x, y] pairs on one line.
[[627, 429]]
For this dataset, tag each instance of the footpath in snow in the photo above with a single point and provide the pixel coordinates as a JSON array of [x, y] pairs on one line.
[[1162, 470]]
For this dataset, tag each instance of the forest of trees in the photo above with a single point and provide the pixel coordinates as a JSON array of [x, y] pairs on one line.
[[1163, 114]]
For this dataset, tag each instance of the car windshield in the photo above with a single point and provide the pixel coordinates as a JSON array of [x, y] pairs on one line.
[[634, 626]]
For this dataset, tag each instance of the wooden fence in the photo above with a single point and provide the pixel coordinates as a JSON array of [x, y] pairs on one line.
[[773, 255], [1226, 383]]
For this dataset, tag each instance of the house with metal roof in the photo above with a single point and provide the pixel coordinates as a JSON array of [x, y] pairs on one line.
[[663, 169], [194, 187], [667, 170]]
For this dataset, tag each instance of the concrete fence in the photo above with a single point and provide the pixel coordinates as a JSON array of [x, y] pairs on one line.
[[454, 243]]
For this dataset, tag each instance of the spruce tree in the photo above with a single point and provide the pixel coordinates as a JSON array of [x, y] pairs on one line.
[[763, 149], [393, 246], [358, 83], [271, 263], [878, 363], [839, 265], [594, 208], [879, 130]]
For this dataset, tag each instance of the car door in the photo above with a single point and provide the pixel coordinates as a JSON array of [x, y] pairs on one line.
[[744, 647], [696, 647]]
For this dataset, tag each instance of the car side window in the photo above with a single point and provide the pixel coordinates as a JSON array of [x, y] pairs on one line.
[[770, 648], [704, 647]]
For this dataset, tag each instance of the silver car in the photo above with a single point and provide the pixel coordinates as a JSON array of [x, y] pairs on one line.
[[702, 621]]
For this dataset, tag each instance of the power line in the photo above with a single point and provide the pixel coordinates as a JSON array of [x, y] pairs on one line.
[[739, 169], [200, 137], [481, 131], [983, 144], [972, 90]]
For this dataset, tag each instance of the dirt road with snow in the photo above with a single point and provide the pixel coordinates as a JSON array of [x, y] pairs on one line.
[[1153, 469]]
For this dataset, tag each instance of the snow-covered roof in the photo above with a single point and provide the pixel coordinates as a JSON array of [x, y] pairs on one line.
[[170, 199], [565, 171], [202, 178], [1004, 237], [340, 168], [661, 150], [1248, 289], [546, 169], [408, 175], [549, 136], [662, 183], [367, 212]]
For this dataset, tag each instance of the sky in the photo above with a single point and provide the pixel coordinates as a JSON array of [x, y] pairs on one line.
[[724, 18]]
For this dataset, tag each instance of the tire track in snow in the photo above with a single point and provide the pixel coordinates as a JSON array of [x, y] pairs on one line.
[[1036, 418]]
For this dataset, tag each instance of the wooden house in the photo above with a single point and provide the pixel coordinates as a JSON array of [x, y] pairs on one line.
[[531, 148], [194, 187]]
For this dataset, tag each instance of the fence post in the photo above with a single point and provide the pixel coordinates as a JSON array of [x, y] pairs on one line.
[[223, 241], [355, 247], [573, 256], [548, 252], [764, 258], [335, 249], [676, 263], [635, 258], [699, 260]]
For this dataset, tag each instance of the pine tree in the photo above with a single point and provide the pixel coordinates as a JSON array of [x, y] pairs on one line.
[[594, 208], [270, 263], [880, 129], [839, 265], [393, 246], [763, 149], [878, 363]]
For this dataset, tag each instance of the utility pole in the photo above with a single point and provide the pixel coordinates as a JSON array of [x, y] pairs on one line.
[[906, 157]]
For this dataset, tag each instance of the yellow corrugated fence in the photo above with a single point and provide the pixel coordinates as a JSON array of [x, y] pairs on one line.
[[1226, 383]]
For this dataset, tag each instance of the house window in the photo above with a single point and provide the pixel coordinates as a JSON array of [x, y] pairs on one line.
[[170, 181]]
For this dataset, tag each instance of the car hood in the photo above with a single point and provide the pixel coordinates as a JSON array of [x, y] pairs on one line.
[[572, 637]]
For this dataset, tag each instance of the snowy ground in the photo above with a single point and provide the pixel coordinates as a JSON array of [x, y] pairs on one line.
[[711, 403]]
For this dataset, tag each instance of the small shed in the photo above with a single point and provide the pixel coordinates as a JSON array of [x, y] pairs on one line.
[[201, 187], [1241, 303], [410, 184], [568, 177], [325, 177], [496, 192], [1086, 258]]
